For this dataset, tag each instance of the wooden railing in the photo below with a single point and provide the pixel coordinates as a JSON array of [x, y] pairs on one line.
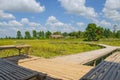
[[18, 47]]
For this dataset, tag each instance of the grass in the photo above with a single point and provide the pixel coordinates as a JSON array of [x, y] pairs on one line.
[[48, 48], [112, 42]]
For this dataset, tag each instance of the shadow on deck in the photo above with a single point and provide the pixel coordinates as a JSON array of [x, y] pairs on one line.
[[39, 75]]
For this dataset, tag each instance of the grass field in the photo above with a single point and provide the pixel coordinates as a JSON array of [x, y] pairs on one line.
[[54, 47], [112, 42], [48, 48]]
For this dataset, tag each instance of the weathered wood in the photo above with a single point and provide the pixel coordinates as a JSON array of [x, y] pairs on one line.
[[10, 71], [105, 71], [109, 69], [19, 47]]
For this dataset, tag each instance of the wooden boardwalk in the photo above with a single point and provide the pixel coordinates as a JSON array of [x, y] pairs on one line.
[[55, 69], [70, 67], [85, 57], [10, 71], [106, 70], [115, 57], [66, 67]]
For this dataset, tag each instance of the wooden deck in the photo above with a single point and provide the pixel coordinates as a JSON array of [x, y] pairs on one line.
[[55, 69], [106, 70], [70, 67], [10, 71], [115, 57], [85, 57]]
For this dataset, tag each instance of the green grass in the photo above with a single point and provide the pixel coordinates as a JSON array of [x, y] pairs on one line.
[[52, 48], [48, 48], [112, 42]]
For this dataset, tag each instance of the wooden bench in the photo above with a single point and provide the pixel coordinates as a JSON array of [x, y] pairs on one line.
[[10, 71], [19, 47], [104, 71]]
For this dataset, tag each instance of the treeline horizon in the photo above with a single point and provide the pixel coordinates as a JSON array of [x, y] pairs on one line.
[[91, 33]]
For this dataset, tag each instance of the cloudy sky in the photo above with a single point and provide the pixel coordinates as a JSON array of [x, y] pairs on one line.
[[56, 15]]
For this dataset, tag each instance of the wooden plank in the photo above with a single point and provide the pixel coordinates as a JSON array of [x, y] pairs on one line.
[[19, 47], [104, 71], [10, 71]]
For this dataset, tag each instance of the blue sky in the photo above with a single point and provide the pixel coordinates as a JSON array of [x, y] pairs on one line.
[[56, 15]]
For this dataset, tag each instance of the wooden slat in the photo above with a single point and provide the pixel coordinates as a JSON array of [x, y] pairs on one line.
[[106, 70], [10, 71]]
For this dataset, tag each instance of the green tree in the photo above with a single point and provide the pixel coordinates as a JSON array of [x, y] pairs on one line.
[[57, 33], [27, 35], [42, 35], [65, 34], [39, 34], [118, 34], [34, 34], [73, 34], [114, 30], [47, 34], [90, 32], [99, 32], [107, 33], [79, 34], [19, 35]]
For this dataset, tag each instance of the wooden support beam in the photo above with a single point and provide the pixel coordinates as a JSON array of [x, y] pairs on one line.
[[19, 47]]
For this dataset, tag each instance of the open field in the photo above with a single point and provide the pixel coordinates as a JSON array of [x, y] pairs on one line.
[[49, 48], [55, 47], [112, 42]]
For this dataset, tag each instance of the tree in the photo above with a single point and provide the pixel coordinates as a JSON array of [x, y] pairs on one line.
[[27, 35], [73, 34], [114, 30], [107, 33], [118, 34], [65, 34], [79, 34], [99, 32], [41, 34], [19, 35], [90, 32], [34, 34], [47, 34], [57, 33]]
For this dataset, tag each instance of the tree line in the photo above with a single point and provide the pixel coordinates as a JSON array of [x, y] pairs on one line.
[[91, 33]]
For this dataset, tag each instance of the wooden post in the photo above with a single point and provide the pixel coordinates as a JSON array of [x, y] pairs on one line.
[[27, 50], [94, 63], [19, 50]]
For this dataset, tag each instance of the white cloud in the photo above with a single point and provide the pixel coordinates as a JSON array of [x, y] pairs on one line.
[[9, 28], [12, 23], [52, 21], [54, 24], [80, 24], [78, 7], [24, 21], [4, 15], [21, 6], [103, 23], [112, 10]]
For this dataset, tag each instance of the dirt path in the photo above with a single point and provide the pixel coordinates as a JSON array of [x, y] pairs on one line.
[[65, 67]]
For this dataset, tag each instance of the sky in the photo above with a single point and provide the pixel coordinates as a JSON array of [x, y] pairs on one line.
[[56, 15]]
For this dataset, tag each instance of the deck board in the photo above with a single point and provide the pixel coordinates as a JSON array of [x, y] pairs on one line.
[[10, 71], [109, 69]]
